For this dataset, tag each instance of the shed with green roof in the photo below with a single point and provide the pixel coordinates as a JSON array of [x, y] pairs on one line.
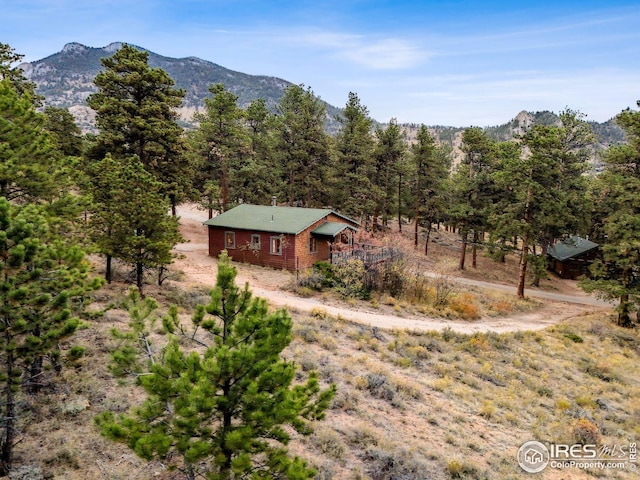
[[280, 237], [572, 256]]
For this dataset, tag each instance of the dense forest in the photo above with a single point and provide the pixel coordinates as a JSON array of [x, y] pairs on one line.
[[64, 195]]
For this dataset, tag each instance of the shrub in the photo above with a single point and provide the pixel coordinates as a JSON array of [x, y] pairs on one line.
[[458, 469], [478, 342], [305, 292], [329, 443], [563, 404], [417, 288], [379, 387], [346, 400], [574, 337], [395, 465], [26, 472], [307, 332], [545, 392], [325, 270], [310, 280], [349, 280], [488, 410], [501, 307], [319, 313], [464, 307], [600, 370], [442, 384], [585, 432], [394, 274], [443, 289], [363, 436]]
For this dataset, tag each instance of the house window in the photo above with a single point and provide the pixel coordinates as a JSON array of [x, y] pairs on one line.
[[229, 239], [313, 245], [276, 246], [255, 242]]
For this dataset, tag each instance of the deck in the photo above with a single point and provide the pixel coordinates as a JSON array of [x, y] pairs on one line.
[[368, 254]]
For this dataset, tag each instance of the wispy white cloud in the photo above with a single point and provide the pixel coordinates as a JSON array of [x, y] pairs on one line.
[[367, 51], [579, 30], [465, 64], [387, 54]]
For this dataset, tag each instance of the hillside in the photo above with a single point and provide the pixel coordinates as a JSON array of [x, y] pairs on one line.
[[411, 405], [65, 79]]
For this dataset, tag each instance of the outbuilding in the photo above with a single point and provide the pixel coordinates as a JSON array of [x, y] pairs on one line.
[[292, 238], [572, 257]]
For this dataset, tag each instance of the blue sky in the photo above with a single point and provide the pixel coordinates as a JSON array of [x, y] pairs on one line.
[[453, 62]]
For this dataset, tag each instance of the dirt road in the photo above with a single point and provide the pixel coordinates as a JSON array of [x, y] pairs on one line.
[[201, 269]]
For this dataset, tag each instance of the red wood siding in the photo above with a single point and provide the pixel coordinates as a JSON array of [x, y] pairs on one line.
[[295, 250]]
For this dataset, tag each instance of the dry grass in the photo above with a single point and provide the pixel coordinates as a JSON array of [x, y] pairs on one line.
[[409, 406]]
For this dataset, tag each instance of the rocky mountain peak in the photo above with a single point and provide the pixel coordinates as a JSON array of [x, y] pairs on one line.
[[74, 47], [523, 118], [113, 47]]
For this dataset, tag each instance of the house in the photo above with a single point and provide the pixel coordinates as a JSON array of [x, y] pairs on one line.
[[571, 257], [280, 237]]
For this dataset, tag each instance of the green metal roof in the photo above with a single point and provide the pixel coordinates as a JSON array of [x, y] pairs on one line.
[[290, 220], [331, 229], [571, 247]]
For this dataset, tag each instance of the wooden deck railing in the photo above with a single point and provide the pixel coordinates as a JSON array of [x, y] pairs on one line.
[[369, 254]]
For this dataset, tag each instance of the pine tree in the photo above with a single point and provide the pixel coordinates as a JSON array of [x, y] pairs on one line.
[[29, 170], [15, 75], [259, 177], [529, 178], [389, 150], [43, 280], [224, 409], [61, 124], [617, 275], [430, 170], [354, 163], [130, 220], [303, 146], [542, 191], [473, 189], [136, 113], [221, 143]]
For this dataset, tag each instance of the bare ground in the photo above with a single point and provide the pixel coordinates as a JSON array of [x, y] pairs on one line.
[[562, 299]]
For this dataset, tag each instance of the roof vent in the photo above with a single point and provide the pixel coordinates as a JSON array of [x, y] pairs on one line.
[[273, 201]]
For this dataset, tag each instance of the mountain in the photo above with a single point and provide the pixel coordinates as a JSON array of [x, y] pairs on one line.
[[65, 79], [607, 133]]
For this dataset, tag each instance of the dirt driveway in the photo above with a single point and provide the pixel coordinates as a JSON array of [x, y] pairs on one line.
[[201, 269]]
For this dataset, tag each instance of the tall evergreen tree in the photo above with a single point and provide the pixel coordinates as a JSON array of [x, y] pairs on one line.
[[29, 167], [42, 281], [545, 191], [14, 74], [130, 220], [389, 151], [303, 146], [226, 410], [617, 275], [221, 143], [533, 200], [61, 124], [259, 177], [136, 113], [473, 189], [430, 167], [354, 163]]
